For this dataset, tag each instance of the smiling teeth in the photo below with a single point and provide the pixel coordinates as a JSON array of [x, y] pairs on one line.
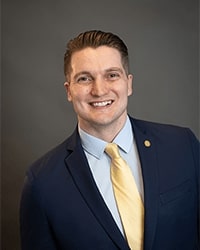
[[102, 104]]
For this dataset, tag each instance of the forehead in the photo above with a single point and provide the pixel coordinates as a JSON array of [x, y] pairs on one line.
[[101, 57]]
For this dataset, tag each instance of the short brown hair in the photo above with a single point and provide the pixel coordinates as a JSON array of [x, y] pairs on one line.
[[94, 39]]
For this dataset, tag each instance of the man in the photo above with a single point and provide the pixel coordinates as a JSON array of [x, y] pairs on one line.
[[69, 199]]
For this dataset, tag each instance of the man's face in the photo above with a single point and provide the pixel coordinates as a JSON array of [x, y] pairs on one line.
[[99, 88]]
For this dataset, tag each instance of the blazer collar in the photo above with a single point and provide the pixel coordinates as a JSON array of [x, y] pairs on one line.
[[146, 145], [78, 167]]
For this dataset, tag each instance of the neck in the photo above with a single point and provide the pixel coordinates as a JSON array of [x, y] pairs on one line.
[[104, 132]]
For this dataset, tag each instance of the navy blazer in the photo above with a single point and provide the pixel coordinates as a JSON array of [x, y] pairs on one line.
[[62, 208]]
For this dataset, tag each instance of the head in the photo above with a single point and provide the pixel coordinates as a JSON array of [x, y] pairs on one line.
[[97, 82], [94, 39]]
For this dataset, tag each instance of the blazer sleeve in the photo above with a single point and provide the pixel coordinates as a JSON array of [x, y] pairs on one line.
[[196, 152], [35, 231], [195, 144]]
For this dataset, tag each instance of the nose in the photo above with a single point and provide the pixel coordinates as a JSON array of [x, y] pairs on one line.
[[99, 87]]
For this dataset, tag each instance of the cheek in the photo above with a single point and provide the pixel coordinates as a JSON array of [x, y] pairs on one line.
[[78, 94], [125, 92]]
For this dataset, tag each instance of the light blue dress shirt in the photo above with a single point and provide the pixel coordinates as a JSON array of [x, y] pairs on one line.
[[99, 163]]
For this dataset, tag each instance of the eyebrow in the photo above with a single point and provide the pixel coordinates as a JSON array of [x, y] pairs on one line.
[[81, 73], [114, 69]]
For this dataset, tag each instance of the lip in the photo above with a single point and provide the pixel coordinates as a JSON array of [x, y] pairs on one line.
[[101, 104]]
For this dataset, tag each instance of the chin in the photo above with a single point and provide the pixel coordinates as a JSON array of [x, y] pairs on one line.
[[105, 121]]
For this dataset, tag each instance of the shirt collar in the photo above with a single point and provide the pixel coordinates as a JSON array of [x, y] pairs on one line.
[[125, 137], [96, 146]]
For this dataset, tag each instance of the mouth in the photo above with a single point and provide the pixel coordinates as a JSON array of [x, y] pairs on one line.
[[101, 104]]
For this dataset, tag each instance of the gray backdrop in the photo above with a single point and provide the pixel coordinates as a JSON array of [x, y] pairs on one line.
[[162, 37]]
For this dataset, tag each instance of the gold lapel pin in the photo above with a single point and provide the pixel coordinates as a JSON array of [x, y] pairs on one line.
[[147, 143]]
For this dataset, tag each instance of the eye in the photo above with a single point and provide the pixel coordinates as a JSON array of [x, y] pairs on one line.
[[113, 76], [84, 79]]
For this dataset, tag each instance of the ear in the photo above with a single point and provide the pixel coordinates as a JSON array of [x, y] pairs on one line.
[[130, 84], [68, 92]]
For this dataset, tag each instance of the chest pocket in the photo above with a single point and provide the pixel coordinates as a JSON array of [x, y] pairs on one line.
[[176, 193]]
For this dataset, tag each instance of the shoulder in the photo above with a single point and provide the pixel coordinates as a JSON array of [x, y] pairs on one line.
[[160, 129], [53, 161], [167, 134]]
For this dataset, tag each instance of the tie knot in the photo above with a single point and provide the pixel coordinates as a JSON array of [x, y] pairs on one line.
[[112, 150]]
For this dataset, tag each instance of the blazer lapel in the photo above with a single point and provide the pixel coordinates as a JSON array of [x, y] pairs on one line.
[[78, 166], [146, 145]]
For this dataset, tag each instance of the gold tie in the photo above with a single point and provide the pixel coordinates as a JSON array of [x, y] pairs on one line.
[[128, 199]]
